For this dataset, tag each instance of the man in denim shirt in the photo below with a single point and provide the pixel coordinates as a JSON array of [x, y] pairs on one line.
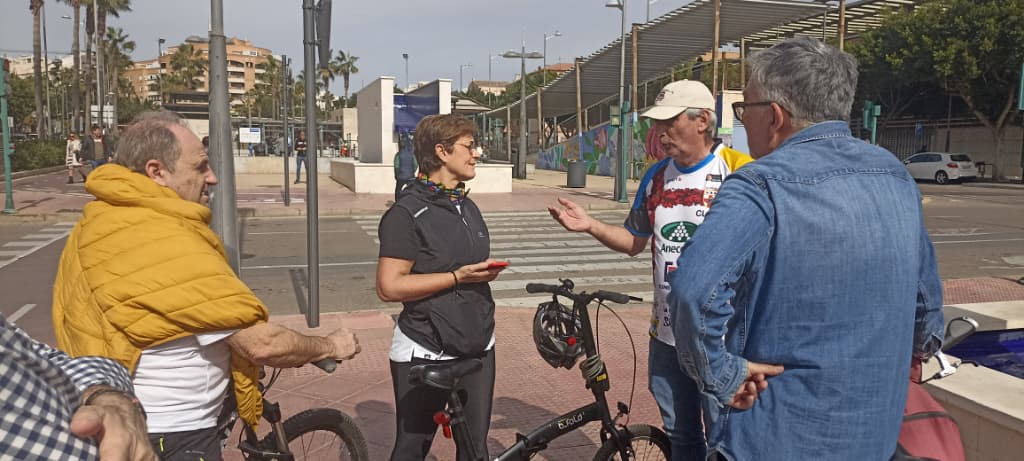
[[817, 276]]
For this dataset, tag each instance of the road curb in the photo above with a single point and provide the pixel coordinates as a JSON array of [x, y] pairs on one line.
[[29, 173], [63, 216]]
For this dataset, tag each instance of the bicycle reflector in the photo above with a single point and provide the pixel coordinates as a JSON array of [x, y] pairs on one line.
[[442, 419]]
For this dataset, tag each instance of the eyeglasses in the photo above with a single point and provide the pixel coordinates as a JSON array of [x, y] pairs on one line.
[[471, 146], [739, 108]]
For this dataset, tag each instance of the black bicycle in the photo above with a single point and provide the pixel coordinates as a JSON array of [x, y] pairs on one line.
[[632, 442], [314, 434]]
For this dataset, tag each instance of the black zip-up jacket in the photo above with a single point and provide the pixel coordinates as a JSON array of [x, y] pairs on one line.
[[458, 321]]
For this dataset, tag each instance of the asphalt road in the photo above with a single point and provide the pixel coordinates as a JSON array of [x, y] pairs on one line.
[[977, 231]]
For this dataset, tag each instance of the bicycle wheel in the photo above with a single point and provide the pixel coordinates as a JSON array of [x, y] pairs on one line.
[[325, 434], [649, 444]]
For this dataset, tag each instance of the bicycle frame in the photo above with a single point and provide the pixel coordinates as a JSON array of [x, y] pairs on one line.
[[538, 439]]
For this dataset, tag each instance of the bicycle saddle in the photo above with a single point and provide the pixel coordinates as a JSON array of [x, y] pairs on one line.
[[443, 375]]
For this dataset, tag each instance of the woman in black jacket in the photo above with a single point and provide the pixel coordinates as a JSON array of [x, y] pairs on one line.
[[434, 259]]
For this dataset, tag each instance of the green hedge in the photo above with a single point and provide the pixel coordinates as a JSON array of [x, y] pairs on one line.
[[32, 155]]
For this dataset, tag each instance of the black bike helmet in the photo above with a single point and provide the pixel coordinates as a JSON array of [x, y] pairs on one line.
[[554, 333]]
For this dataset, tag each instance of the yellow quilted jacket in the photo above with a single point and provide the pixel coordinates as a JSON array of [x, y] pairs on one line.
[[141, 268]]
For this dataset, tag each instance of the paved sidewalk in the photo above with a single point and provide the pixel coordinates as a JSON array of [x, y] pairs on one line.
[[48, 196], [528, 392]]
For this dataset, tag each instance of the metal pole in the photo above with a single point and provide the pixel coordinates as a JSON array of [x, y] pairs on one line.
[[6, 131], [949, 115], [579, 110], [405, 56], [508, 137], [633, 98], [620, 174], [97, 37], [285, 112], [225, 221], [743, 62], [312, 213], [540, 120], [544, 63], [520, 169], [160, 68], [842, 24], [46, 69], [714, 47]]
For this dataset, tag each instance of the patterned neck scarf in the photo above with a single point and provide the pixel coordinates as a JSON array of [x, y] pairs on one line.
[[456, 195]]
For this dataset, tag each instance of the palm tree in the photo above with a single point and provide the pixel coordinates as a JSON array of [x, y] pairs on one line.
[[118, 52], [346, 66], [76, 84], [327, 74], [37, 70], [104, 8], [187, 64]]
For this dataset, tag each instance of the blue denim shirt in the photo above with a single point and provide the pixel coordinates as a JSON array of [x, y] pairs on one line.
[[815, 258]]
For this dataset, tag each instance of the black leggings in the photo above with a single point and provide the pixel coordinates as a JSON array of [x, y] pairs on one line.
[[415, 408]]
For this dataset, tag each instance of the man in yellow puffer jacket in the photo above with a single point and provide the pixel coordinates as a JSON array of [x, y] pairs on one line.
[[144, 280]]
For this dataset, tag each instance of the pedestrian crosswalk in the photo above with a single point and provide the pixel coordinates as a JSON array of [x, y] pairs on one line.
[[30, 243], [539, 250]]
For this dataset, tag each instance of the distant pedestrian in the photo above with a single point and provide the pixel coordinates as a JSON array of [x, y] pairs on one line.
[[300, 156], [97, 148], [405, 163], [72, 157]]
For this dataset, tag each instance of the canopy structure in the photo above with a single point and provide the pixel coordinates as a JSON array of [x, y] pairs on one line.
[[688, 32]]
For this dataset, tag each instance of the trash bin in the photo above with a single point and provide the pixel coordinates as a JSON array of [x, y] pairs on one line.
[[577, 174]]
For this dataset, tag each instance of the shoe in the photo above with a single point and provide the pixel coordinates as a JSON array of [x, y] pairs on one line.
[[71, 180], [296, 181]]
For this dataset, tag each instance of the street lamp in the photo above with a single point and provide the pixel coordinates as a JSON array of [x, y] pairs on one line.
[[405, 56], [545, 64], [620, 173], [160, 67], [462, 66], [519, 167]]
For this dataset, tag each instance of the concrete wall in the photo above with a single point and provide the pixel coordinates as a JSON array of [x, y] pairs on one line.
[[350, 123], [985, 403], [376, 121], [366, 178], [977, 142], [275, 165]]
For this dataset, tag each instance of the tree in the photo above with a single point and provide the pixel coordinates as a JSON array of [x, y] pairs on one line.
[[970, 48], [76, 83], [187, 65], [118, 52], [346, 66], [37, 70], [103, 9], [327, 74]]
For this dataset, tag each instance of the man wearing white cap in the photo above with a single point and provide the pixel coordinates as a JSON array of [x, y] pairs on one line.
[[671, 202]]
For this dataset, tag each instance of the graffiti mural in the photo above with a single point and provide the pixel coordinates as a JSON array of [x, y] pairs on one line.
[[597, 148]]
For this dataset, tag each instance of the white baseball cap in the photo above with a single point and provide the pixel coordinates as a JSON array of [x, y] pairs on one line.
[[678, 96]]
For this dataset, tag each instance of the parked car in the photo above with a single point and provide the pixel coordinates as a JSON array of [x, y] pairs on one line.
[[941, 167]]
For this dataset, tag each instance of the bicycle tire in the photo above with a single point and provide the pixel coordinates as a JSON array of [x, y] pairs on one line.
[[334, 423], [649, 444]]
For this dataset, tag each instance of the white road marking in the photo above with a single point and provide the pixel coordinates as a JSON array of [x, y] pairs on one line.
[[21, 312]]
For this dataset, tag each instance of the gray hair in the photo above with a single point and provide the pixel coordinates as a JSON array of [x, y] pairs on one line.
[[813, 81], [150, 138], [692, 114]]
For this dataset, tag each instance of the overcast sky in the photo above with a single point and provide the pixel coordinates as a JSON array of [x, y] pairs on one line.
[[439, 35]]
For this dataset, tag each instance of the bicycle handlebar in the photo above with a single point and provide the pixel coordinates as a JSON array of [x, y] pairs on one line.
[[564, 290], [328, 365]]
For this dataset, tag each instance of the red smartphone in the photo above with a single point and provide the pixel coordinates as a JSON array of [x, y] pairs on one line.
[[497, 264]]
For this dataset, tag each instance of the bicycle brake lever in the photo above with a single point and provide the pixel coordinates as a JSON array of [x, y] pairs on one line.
[[328, 365]]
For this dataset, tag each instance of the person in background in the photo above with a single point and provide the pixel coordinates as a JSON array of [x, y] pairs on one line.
[[143, 279], [59, 408], [434, 259], [404, 163], [72, 157], [97, 148], [300, 156], [670, 205], [818, 281]]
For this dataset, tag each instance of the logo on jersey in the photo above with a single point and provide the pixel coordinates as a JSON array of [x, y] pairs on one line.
[[678, 232]]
